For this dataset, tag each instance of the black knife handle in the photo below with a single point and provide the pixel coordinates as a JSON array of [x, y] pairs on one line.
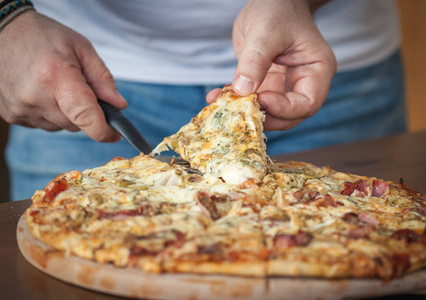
[[119, 122]]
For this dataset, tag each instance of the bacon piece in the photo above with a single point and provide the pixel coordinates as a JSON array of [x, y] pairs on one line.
[[233, 256], [368, 218], [327, 201], [363, 189], [419, 209], [179, 241], [207, 205], [423, 237], [380, 188], [284, 241], [360, 187], [351, 218], [306, 195], [349, 188], [303, 238], [360, 232], [401, 263], [407, 235], [137, 251], [210, 249]]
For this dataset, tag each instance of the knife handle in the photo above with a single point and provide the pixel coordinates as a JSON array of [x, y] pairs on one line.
[[119, 122]]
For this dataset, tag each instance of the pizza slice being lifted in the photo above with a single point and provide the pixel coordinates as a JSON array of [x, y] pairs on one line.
[[225, 139]]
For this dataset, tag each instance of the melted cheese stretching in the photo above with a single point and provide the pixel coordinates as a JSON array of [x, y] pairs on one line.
[[225, 139]]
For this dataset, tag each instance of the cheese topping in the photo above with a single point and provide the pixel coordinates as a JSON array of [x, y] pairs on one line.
[[225, 139]]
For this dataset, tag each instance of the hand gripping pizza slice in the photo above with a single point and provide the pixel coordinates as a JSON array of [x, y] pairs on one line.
[[225, 139]]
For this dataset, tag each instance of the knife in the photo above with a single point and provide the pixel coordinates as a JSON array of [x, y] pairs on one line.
[[119, 122], [125, 127]]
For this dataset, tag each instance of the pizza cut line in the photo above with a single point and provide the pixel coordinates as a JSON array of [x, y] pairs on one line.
[[284, 219]]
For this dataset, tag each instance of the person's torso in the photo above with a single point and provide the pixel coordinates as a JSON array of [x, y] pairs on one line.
[[189, 42]]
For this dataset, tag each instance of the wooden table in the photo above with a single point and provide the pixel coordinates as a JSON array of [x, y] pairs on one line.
[[391, 158]]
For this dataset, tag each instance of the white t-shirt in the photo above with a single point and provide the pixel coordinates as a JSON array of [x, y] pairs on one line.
[[189, 42]]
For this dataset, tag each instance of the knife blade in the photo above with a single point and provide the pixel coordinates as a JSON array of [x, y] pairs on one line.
[[122, 124], [131, 134]]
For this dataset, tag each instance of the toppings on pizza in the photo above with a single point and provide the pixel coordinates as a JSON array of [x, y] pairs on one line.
[[300, 239], [406, 235], [328, 201], [225, 139], [239, 217], [207, 205], [380, 188], [59, 184]]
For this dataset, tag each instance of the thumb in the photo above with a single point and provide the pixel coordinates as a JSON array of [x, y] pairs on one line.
[[254, 62], [99, 78]]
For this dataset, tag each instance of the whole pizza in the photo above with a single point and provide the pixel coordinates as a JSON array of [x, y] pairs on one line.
[[241, 214]]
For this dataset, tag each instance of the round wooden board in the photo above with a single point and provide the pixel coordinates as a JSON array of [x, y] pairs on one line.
[[135, 283]]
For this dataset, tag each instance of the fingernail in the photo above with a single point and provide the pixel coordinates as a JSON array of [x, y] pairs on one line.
[[263, 106], [121, 97], [243, 85]]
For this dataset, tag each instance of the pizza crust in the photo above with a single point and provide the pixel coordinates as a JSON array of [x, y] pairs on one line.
[[256, 269]]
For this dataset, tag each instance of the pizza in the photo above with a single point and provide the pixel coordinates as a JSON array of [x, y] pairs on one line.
[[225, 139], [282, 219]]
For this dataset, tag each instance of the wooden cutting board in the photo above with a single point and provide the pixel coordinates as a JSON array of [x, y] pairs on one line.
[[131, 282]]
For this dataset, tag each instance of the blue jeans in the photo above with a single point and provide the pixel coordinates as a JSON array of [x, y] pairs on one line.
[[364, 103]]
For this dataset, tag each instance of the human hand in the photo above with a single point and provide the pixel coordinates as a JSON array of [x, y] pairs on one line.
[[51, 77], [284, 58]]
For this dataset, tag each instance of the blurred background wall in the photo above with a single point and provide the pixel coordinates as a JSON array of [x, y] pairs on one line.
[[413, 25]]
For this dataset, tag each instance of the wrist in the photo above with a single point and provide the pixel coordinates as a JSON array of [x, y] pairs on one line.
[[11, 9]]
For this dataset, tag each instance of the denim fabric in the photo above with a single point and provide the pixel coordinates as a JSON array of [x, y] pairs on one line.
[[364, 103]]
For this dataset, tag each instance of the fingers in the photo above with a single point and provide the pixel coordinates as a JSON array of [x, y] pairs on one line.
[[259, 36], [55, 119], [272, 124], [212, 95], [78, 102], [284, 111], [98, 76], [63, 79], [284, 58], [253, 64], [303, 94]]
